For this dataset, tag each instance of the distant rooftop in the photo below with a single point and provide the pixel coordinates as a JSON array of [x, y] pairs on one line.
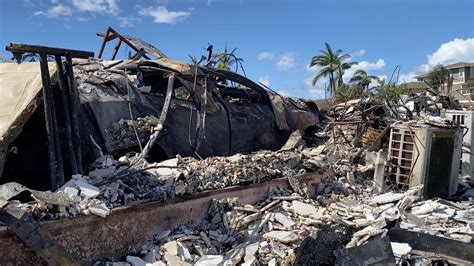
[[452, 66], [458, 65]]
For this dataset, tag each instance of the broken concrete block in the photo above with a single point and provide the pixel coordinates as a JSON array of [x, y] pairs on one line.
[[305, 209], [252, 261], [183, 252], [171, 248], [72, 193], [294, 141], [400, 249], [86, 190], [162, 170], [428, 207], [210, 260], [316, 151], [151, 256], [250, 251], [234, 256], [443, 212], [99, 209], [136, 261], [284, 220], [465, 216], [281, 236], [175, 260], [387, 198], [272, 262], [379, 172]]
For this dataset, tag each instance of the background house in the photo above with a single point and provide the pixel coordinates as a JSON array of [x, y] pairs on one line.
[[459, 73]]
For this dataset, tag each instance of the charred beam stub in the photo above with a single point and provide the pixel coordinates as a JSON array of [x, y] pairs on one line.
[[29, 231]]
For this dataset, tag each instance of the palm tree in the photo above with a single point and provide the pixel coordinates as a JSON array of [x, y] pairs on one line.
[[225, 60], [332, 65], [438, 78], [362, 80]]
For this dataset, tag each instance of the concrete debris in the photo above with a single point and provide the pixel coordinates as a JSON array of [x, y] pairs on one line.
[[345, 218], [281, 236], [208, 260], [99, 209], [400, 249], [350, 216], [294, 141]]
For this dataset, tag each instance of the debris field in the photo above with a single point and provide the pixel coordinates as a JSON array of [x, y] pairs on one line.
[[265, 179]]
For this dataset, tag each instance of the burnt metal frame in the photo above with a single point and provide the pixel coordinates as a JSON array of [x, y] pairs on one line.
[[111, 35], [70, 105]]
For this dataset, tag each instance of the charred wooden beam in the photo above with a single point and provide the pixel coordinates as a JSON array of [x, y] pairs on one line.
[[112, 34], [67, 117], [29, 231], [49, 121], [37, 49], [73, 96]]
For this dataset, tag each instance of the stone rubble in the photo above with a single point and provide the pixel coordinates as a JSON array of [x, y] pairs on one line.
[[128, 180], [271, 231]]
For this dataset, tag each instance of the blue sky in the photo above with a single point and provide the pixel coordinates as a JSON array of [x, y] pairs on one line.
[[275, 38]]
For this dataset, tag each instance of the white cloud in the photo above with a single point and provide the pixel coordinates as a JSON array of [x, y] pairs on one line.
[[161, 14], [55, 11], [97, 6], [265, 56], [359, 52], [265, 80], [457, 50], [364, 65], [286, 62], [125, 22]]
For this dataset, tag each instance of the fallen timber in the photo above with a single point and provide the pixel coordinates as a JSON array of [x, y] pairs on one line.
[[91, 238]]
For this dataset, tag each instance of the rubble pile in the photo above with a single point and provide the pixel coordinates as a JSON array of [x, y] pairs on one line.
[[127, 131], [273, 231], [131, 180]]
